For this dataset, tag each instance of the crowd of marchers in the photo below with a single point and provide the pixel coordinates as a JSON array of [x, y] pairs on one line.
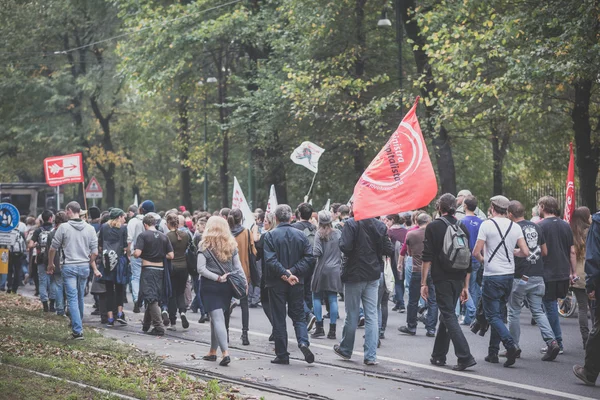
[[461, 266]]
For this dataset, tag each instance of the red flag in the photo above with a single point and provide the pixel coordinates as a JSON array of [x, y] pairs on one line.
[[400, 178], [570, 197], [63, 169]]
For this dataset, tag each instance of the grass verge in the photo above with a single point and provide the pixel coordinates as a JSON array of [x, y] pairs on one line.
[[40, 342]]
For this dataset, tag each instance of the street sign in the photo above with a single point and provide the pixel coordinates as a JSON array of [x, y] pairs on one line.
[[93, 190], [9, 217], [8, 238], [63, 169]]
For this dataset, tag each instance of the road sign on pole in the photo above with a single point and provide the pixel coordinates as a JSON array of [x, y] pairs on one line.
[[93, 190], [9, 217]]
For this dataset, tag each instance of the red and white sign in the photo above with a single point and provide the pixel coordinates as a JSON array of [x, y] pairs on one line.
[[400, 178], [93, 190], [570, 197], [239, 201], [63, 169]]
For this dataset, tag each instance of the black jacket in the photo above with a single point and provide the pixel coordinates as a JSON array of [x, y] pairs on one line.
[[364, 243], [592, 255], [286, 248]]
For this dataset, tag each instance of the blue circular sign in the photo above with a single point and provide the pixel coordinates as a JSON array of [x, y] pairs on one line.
[[9, 217]]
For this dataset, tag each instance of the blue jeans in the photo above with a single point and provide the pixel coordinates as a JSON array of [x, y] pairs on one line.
[[75, 278], [45, 287], [533, 291], [408, 264], [354, 293], [136, 272], [3, 279], [551, 307], [474, 294], [333, 306], [414, 294], [197, 302], [496, 292], [58, 289]]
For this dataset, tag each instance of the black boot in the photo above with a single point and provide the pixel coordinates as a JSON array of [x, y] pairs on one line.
[[319, 332], [331, 334], [52, 309], [245, 340], [45, 304]]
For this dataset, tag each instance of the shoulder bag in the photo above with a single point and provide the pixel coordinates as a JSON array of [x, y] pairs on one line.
[[237, 281]]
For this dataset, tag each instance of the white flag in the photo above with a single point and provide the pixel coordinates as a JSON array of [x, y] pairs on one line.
[[308, 154], [135, 200], [239, 201], [272, 204], [326, 208]]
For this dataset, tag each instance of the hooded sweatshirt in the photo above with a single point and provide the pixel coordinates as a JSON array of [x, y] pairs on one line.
[[78, 240]]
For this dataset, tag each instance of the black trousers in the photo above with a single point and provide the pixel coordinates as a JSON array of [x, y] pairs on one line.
[[114, 296], [447, 294], [177, 301], [280, 295], [14, 272], [592, 349]]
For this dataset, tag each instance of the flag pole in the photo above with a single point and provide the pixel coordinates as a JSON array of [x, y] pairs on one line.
[[84, 197], [58, 198], [310, 189]]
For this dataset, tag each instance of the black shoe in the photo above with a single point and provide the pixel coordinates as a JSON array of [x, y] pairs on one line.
[[244, 337], [184, 321], [136, 308], [45, 304], [462, 366], [319, 331], [579, 372], [76, 336], [361, 321], [210, 358], [252, 305], [430, 334], [52, 309], [165, 318], [282, 361], [110, 324], [336, 349], [225, 361], [204, 318], [404, 329], [121, 319], [511, 356], [271, 338], [155, 332], [396, 308], [438, 362], [370, 362], [332, 329], [381, 335], [310, 321], [145, 328], [309, 357], [492, 358], [402, 310], [552, 353], [326, 316], [95, 312]]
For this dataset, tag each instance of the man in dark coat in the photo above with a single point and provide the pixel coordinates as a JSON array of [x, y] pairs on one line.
[[289, 259]]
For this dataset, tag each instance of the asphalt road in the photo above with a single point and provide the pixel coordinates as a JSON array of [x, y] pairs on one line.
[[404, 370]]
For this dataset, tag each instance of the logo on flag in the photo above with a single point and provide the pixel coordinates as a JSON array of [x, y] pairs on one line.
[[63, 169], [239, 201], [400, 178], [570, 196], [307, 155], [272, 204]]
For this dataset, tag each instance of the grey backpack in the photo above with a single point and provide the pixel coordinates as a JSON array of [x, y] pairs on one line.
[[456, 254]]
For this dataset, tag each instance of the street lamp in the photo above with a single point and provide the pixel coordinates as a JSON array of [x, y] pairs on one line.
[[208, 80], [385, 22]]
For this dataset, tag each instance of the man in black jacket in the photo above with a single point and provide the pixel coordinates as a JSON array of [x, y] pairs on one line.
[[450, 285], [305, 212], [288, 258], [364, 243], [589, 372]]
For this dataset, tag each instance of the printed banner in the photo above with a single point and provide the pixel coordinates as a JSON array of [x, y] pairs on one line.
[[400, 178], [570, 197], [239, 201], [63, 169], [307, 155]]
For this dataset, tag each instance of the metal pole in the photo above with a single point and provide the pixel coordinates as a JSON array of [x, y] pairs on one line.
[[399, 39], [58, 198], [205, 152]]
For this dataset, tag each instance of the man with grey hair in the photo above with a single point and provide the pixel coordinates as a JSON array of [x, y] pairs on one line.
[[415, 243], [460, 211], [79, 245], [288, 257]]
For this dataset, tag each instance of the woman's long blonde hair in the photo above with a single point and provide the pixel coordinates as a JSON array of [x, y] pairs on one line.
[[218, 238]]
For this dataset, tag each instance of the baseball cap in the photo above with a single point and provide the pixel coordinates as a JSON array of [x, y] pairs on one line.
[[148, 206]]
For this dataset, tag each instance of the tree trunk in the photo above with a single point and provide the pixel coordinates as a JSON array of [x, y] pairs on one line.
[[440, 139], [500, 140], [224, 169], [359, 71], [185, 185], [108, 169], [586, 151]]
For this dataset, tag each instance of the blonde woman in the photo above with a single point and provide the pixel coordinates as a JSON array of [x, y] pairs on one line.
[[218, 249]]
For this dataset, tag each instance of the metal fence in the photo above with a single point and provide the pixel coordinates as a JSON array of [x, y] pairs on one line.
[[530, 195]]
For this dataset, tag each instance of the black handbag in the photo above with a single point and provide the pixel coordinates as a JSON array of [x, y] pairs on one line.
[[252, 265], [191, 259], [238, 282]]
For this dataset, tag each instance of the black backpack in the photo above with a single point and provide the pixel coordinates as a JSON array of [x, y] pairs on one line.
[[191, 258]]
